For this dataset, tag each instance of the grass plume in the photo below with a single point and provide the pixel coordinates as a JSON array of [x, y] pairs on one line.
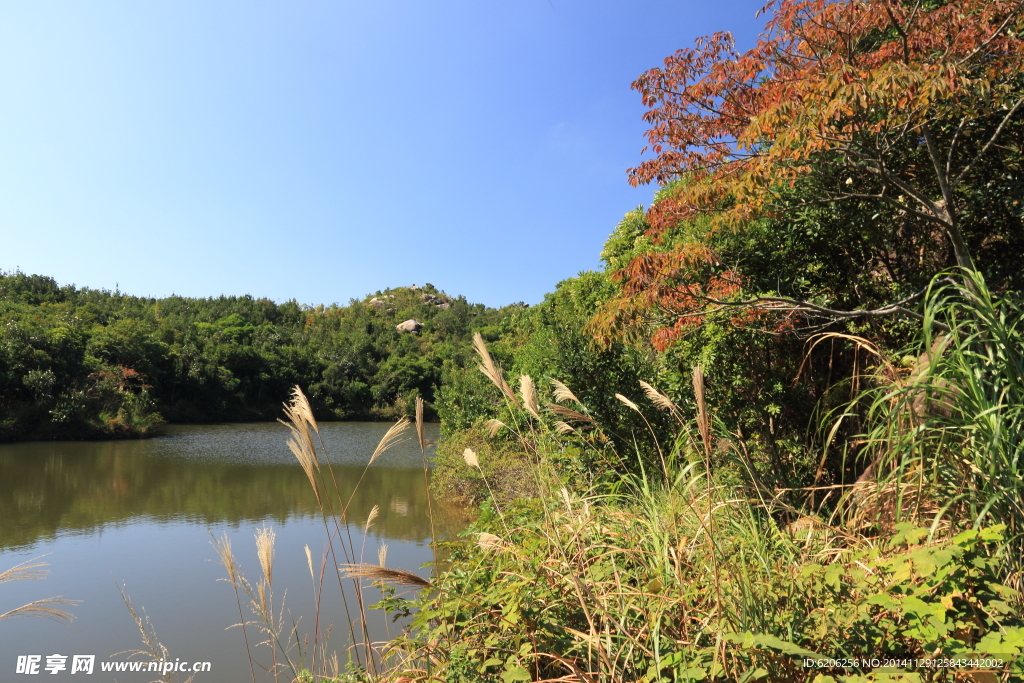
[[46, 608], [379, 573], [491, 370], [562, 392], [528, 392]]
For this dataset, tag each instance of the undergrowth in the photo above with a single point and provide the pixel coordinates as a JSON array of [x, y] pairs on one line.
[[681, 565]]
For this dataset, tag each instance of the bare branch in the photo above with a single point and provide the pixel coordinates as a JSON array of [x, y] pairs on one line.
[[952, 144], [877, 167], [990, 143], [940, 175], [779, 304], [995, 34]]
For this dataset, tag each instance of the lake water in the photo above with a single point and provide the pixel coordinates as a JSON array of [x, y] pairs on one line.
[[140, 514]]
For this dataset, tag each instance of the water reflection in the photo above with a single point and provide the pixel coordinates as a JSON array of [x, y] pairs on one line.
[[142, 513], [206, 475]]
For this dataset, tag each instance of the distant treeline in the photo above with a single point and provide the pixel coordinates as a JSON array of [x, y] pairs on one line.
[[86, 363]]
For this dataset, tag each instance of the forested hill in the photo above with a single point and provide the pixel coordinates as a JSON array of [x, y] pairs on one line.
[[81, 363]]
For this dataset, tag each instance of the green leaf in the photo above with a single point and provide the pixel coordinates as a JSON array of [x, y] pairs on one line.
[[765, 641], [754, 675], [515, 673]]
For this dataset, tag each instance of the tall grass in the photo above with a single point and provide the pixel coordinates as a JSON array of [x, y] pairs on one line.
[[47, 608], [946, 444], [689, 569], [313, 657], [689, 573]]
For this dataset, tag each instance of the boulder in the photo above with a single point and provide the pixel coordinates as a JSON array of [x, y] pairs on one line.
[[410, 326]]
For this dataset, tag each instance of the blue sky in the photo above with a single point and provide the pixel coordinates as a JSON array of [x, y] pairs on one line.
[[321, 151]]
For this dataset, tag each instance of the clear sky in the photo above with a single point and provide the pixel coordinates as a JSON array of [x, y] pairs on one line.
[[321, 151]]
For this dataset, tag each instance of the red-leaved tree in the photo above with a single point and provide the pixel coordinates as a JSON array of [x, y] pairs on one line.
[[900, 103]]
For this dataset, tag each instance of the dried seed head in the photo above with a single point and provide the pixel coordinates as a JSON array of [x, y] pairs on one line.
[[261, 591], [265, 552], [302, 449], [493, 427], [626, 401], [569, 413], [529, 395], [565, 498], [392, 437], [419, 423], [372, 516], [489, 541], [301, 404], [703, 419], [657, 398], [469, 455], [223, 547], [491, 370], [562, 392], [564, 427], [377, 573]]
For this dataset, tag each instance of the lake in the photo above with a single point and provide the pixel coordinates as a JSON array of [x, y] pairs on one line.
[[142, 515]]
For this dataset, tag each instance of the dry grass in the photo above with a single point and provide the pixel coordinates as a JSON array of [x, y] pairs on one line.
[[47, 608], [627, 402], [489, 541], [155, 650], [265, 552], [569, 413], [562, 393], [491, 370], [384, 575], [529, 395], [301, 658], [703, 418], [419, 424], [657, 398], [494, 426], [391, 438]]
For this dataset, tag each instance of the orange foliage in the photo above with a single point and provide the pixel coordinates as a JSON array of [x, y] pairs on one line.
[[739, 124], [831, 82], [125, 379]]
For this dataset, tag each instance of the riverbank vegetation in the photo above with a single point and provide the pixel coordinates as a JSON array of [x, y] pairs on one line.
[[778, 436], [84, 363]]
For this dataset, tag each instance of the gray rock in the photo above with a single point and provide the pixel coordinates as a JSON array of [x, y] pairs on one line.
[[410, 326]]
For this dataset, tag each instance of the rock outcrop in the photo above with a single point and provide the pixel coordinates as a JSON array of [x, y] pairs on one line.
[[410, 326]]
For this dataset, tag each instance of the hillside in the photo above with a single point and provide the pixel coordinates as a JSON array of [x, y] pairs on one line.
[[86, 363]]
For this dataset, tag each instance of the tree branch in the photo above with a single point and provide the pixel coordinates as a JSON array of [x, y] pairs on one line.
[[995, 34], [779, 304], [952, 144], [877, 167], [990, 143]]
